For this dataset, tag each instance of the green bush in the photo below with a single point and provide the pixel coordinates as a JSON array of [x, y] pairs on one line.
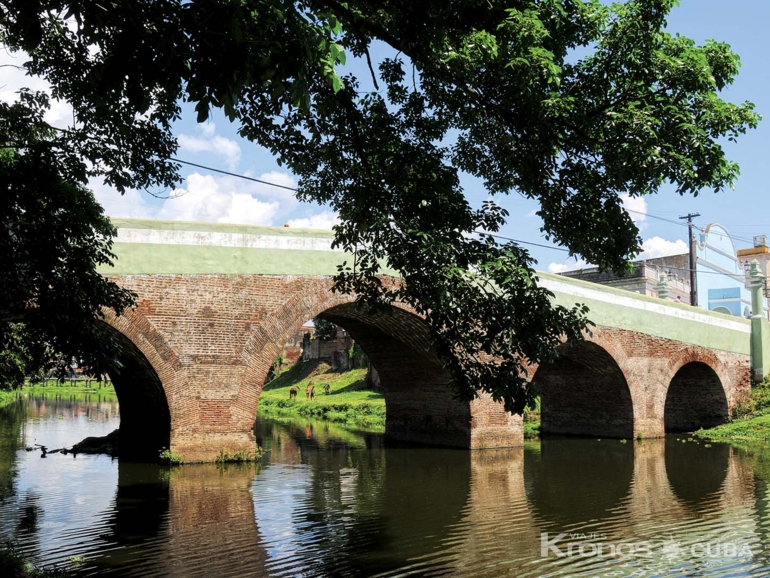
[[169, 457], [755, 403], [13, 564], [239, 457]]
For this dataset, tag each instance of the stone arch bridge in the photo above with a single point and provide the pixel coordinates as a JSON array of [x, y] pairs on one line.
[[216, 304]]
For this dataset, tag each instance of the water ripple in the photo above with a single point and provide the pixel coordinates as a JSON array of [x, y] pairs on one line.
[[661, 508]]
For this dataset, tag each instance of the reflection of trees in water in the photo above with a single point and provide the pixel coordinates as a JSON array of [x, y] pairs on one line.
[[72, 406], [369, 511], [22, 520], [11, 428]]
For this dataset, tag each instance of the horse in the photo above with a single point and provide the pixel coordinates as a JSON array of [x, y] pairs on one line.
[[293, 393]]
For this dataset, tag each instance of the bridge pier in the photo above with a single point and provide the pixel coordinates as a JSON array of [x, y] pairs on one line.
[[211, 413], [493, 427]]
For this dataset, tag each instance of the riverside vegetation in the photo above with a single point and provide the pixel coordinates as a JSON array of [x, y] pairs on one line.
[[77, 390], [750, 419], [348, 403]]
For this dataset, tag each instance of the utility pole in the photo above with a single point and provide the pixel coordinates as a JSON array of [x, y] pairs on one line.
[[693, 278]]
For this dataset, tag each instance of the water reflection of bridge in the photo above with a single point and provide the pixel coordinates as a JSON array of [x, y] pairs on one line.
[[344, 511]]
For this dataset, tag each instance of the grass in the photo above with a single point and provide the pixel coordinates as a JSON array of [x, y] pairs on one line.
[[239, 457], [7, 397], [531, 428], [168, 457], [750, 419], [348, 403], [756, 427], [70, 390], [532, 421]]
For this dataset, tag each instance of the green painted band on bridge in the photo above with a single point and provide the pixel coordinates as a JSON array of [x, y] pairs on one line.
[[653, 316]]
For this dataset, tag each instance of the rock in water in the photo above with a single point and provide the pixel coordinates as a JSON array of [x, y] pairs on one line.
[[98, 445]]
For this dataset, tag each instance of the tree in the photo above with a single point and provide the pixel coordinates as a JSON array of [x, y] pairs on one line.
[[569, 102], [324, 329], [53, 236]]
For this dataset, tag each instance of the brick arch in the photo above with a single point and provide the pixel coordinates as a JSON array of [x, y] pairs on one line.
[[695, 394], [606, 341], [267, 339], [421, 406], [148, 370], [586, 392]]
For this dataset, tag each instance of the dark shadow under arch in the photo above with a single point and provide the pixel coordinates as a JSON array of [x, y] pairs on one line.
[[421, 407], [584, 393], [695, 399], [145, 419]]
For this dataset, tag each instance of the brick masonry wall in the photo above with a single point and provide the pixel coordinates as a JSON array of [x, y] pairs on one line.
[[625, 384], [211, 339]]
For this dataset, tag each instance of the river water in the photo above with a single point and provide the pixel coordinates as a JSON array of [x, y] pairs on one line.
[[327, 502]]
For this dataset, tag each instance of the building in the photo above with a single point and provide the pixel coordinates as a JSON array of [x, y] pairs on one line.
[[645, 276], [721, 273], [335, 350]]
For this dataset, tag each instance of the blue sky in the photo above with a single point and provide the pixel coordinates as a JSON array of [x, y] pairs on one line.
[[208, 196]]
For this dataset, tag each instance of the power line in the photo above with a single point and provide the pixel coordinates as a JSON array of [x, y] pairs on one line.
[[253, 179], [654, 217], [525, 242], [293, 189], [233, 174]]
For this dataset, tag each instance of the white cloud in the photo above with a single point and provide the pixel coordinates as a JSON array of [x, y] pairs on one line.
[[660, 247], [216, 198], [567, 266], [131, 204], [228, 150], [324, 220], [222, 200], [637, 209], [207, 129], [13, 78], [531, 214], [651, 248]]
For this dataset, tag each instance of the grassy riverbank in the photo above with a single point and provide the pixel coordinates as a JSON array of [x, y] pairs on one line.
[[105, 388], [750, 419], [75, 391], [755, 427], [7, 397], [348, 403]]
